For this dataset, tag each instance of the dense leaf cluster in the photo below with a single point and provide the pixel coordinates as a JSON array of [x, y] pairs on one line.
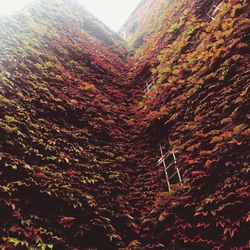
[[200, 70], [79, 136]]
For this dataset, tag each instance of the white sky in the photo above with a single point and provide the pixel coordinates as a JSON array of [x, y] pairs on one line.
[[113, 13]]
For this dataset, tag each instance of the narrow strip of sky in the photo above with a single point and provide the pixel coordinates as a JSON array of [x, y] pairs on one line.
[[113, 13]]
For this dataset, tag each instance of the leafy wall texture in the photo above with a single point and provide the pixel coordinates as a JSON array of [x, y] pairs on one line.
[[80, 132]]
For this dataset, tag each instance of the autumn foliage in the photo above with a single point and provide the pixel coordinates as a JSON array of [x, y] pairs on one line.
[[79, 136]]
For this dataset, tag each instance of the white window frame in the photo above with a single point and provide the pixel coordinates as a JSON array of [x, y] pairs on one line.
[[214, 11], [164, 156], [150, 84]]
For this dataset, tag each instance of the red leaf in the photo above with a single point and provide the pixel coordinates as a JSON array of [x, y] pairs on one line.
[[221, 223], [199, 172], [248, 217], [209, 163], [67, 221]]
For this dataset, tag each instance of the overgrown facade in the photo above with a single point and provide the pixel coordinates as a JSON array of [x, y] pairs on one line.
[[104, 148]]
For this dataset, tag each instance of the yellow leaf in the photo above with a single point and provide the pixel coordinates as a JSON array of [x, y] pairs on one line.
[[9, 119], [73, 102]]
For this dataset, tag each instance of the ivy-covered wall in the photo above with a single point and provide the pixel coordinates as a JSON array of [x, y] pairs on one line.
[[80, 134], [62, 114], [198, 62]]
